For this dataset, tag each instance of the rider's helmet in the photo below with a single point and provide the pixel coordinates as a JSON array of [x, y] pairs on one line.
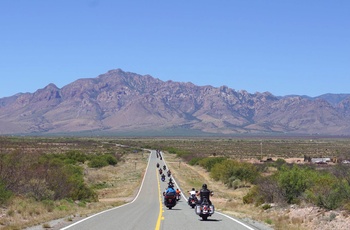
[[204, 186], [193, 189]]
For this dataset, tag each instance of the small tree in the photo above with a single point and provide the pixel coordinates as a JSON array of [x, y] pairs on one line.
[[294, 181]]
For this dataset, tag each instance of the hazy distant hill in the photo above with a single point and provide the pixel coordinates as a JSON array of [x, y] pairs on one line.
[[124, 102]]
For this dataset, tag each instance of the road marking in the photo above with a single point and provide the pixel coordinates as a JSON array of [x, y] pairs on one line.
[[160, 216]]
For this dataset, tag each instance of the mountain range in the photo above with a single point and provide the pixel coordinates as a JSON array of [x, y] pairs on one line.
[[119, 102]]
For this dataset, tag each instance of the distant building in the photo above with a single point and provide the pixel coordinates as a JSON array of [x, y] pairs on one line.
[[322, 160]]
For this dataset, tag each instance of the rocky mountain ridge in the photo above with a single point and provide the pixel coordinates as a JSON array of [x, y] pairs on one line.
[[118, 101]]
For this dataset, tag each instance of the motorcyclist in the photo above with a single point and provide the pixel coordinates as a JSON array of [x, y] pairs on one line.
[[193, 192], [163, 177], [178, 193], [169, 192], [157, 165], [192, 197], [171, 182], [204, 193]]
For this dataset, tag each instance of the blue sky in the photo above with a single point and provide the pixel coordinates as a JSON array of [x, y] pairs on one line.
[[284, 47]]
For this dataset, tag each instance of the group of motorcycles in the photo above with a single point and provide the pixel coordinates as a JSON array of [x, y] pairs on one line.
[[203, 209]]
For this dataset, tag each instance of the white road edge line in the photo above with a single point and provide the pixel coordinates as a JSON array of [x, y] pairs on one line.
[[138, 193]]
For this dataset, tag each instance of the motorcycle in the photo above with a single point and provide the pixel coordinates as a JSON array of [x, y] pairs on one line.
[[163, 177], [169, 200], [204, 210], [192, 201]]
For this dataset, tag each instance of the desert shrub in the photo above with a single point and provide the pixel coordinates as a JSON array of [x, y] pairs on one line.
[[111, 160], [172, 150], [38, 189], [184, 154], [49, 205], [266, 206], [287, 185], [5, 194], [14, 168], [328, 192], [74, 180], [269, 190], [209, 162], [253, 197], [262, 167], [294, 181], [99, 161], [195, 160], [42, 176], [76, 156], [83, 192], [230, 170], [346, 206], [342, 172], [66, 181], [279, 162], [69, 157], [235, 183]]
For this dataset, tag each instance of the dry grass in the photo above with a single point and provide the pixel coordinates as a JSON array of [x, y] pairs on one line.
[[121, 182]]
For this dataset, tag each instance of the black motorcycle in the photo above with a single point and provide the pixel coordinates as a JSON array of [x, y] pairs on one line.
[[169, 200], [204, 209], [192, 201]]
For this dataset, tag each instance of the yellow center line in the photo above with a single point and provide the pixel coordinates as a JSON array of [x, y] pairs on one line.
[[160, 217]]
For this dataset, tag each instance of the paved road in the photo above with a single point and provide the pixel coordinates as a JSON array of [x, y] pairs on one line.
[[147, 211]]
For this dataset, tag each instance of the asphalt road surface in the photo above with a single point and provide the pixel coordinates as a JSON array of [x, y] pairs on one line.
[[147, 211]]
